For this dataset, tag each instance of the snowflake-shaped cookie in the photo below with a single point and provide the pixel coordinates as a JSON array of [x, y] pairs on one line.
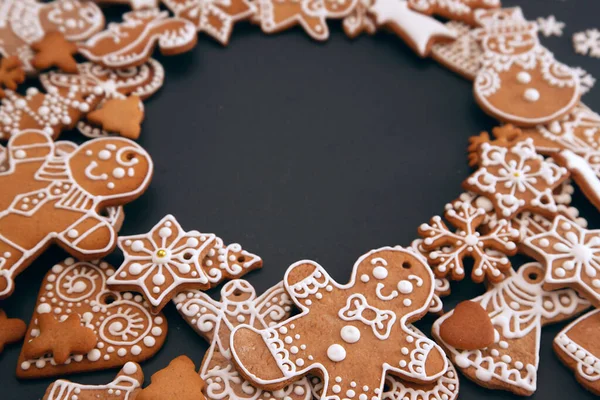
[[587, 42], [162, 262], [549, 26], [466, 241], [516, 179], [572, 257]]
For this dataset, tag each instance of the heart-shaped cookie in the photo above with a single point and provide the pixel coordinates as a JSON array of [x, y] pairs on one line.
[[468, 328]]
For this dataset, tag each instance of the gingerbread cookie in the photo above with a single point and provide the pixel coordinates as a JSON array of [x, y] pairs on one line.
[[47, 199], [516, 179], [462, 56], [571, 255], [24, 22], [163, 262], [121, 322], [12, 74], [468, 316], [125, 386], [419, 31], [122, 116], [134, 4], [517, 307], [351, 335], [445, 388], [216, 320], [215, 18], [51, 112], [468, 241], [131, 42], [442, 285], [520, 82], [459, 10], [178, 381], [278, 15], [11, 330], [54, 50], [583, 173], [142, 81], [359, 21], [577, 348]]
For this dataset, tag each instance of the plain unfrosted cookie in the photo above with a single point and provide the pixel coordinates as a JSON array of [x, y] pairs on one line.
[[179, 380], [11, 330]]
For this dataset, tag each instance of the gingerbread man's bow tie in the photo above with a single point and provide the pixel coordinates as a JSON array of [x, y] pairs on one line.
[[357, 309]]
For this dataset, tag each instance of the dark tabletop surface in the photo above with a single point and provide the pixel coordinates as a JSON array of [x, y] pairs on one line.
[[298, 149]]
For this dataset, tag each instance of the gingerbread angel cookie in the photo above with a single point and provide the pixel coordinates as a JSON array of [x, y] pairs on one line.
[[125, 386], [24, 22], [278, 15], [351, 335], [130, 43], [577, 347], [520, 82], [215, 18], [445, 388], [47, 199], [517, 307], [419, 31], [121, 323], [216, 320], [571, 255]]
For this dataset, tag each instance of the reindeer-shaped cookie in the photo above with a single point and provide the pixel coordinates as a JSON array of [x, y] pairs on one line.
[[48, 199], [518, 307], [351, 335], [216, 320], [24, 22], [520, 82]]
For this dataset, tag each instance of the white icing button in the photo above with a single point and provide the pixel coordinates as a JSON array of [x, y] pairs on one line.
[[350, 334], [380, 272], [531, 95], [523, 77], [336, 353]]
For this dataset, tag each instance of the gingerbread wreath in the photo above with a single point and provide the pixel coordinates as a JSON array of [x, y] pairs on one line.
[[310, 336]]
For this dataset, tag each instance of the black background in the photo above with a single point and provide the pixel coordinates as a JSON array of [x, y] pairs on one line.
[[298, 149]]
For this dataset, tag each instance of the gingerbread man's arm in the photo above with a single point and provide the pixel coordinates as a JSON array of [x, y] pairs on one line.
[[305, 279], [90, 237], [28, 151], [273, 306]]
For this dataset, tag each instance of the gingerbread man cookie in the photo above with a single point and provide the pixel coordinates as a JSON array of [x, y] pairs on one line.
[[121, 322], [516, 179], [419, 31], [131, 42], [571, 255], [24, 22], [518, 307], [352, 335], [178, 381], [125, 386], [577, 347], [468, 241], [47, 199], [520, 82], [216, 320], [54, 50], [445, 388], [215, 18], [11, 330], [278, 15]]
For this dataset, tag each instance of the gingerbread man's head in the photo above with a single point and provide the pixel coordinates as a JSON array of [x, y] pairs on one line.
[[506, 32], [74, 19], [114, 169]]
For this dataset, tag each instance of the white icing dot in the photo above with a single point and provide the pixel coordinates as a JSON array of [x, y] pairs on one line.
[[365, 278], [405, 287], [94, 355], [380, 272], [523, 77], [350, 334], [336, 353], [118, 173], [165, 232], [135, 268], [149, 341], [137, 245], [531, 95], [130, 368], [44, 308], [158, 279], [104, 154], [136, 350]]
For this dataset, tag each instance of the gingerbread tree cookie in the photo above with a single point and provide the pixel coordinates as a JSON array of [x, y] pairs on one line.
[[577, 347], [351, 335], [516, 179], [121, 322], [25, 22], [520, 82], [518, 307], [125, 386], [47, 199], [572, 257], [216, 320], [178, 381], [468, 241], [131, 42]]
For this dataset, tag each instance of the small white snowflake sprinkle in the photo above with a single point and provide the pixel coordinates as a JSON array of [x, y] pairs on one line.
[[550, 26], [587, 42]]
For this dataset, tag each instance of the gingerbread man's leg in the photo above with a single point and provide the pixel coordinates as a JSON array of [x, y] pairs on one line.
[[88, 237]]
